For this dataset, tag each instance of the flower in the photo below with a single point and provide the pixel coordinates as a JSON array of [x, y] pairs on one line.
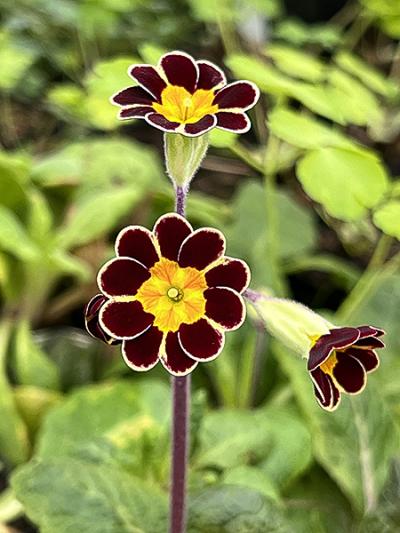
[[169, 295], [340, 360], [185, 96]]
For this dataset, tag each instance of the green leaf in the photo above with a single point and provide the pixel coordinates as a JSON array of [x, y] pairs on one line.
[[320, 99], [151, 52], [345, 182], [68, 101], [253, 478], [296, 63], [287, 125], [356, 443], [13, 237], [368, 75], [107, 78], [31, 364], [233, 509], [96, 215], [221, 138], [40, 221], [15, 59], [387, 218], [13, 175], [33, 404], [71, 495], [70, 265]]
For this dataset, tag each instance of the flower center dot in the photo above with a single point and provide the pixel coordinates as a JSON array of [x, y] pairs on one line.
[[175, 294]]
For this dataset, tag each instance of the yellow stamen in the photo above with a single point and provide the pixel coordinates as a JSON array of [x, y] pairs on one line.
[[178, 105]]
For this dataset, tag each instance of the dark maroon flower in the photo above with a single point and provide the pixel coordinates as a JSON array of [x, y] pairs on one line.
[[169, 295], [181, 95], [340, 360]]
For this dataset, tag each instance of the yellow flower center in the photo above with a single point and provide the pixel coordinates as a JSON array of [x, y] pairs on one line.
[[328, 365], [178, 105], [174, 295]]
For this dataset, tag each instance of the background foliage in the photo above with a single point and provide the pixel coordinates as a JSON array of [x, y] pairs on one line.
[[310, 198]]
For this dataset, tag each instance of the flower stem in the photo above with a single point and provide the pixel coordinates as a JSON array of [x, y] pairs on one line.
[[180, 427]]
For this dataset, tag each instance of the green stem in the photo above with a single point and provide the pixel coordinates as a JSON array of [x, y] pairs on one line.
[[373, 275], [225, 26], [246, 156]]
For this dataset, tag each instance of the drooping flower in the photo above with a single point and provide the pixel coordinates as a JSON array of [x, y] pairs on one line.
[[340, 360], [181, 95], [169, 295]]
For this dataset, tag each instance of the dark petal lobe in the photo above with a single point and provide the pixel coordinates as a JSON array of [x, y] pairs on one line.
[[201, 248], [133, 96], [137, 242], [370, 342], [159, 121], [368, 358], [238, 95], [180, 69], [210, 76], [349, 373], [337, 338], [322, 388], [225, 306], [151, 80], [202, 126], [92, 325], [124, 320], [175, 360], [200, 340], [142, 353], [235, 122], [122, 277], [233, 273], [135, 112], [171, 230]]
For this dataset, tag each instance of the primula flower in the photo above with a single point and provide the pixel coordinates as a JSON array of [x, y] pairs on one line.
[[340, 360], [185, 96], [169, 295]]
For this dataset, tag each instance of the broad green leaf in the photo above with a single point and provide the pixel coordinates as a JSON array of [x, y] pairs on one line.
[[40, 221], [33, 403], [298, 33], [387, 218], [31, 364], [222, 139], [320, 99], [15, 59], [107, 78], [151, 53], [13, 237], [233, 509], [67, 495], [68, 101], [13, 175], [70, 265], [345, 182], [304, 131], [96, 215], [268, 78], [253, 478], [296, 63], [356, 443], [368, 75]]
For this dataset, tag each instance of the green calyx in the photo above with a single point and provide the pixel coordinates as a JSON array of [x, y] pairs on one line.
[[183, 156]]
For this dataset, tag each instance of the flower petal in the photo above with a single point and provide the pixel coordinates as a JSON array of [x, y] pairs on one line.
[[369, 343], [233, 273], [337, 338], [175, 360], [135, 112], [201, 248], [349, 373], [180, 69], [236, 122], [132, 96], [171, 230], [160, 122], [210, 76], [368, 358], [370, 331], [121, 277], [92, 325], [225, 306], [142, 353], [239, 95], [124, 320], [137, 242], [149, 78], [201, 341], [202, 126], [327, 394]]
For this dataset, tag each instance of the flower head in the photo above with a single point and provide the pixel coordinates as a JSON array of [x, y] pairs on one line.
[[169, 295], [340, 360], [185, 96]]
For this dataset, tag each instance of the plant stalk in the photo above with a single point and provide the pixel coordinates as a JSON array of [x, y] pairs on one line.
[[180, 428]]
